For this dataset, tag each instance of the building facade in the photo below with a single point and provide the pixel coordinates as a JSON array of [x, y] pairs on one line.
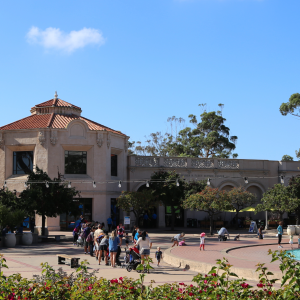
[[94, 159]]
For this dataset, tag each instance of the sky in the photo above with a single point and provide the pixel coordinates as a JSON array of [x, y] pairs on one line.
[[132, 64]]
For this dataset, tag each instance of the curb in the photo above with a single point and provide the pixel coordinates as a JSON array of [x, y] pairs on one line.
[[202, 267]]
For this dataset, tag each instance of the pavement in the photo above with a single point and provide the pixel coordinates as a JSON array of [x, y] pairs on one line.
[[179, 264]]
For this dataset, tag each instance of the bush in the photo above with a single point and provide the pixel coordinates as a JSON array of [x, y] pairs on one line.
[[214, 285]]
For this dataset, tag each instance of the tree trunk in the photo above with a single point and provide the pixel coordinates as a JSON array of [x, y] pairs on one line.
[[211, 224], [173, 217], [43, 223]]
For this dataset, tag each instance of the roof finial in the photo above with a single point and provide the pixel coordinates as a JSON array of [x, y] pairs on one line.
[[55, 96]]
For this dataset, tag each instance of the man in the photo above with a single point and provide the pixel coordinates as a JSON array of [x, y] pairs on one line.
[[222, 233], [109, 223], [154, 217]]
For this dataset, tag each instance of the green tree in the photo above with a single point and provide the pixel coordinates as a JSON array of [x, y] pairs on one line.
[[49, 201], [287, 158], [169, 189], [193, 187], [239, 198], [209, 138], [292, 106], [210, 200], [278, 199], [136, 202], [294, 190]]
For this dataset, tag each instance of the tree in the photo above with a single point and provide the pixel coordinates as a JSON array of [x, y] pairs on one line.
[[169, 189], [290, 106], [239, 198], [278, 199], [48, 201], [136, 202], [287, 158], [193, 187], [294, 190], [210, 200], [11, 217]]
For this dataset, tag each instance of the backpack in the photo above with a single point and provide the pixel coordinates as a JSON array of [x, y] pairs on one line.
[[89, 238], [86, 232], [99, 238], [76, 229]]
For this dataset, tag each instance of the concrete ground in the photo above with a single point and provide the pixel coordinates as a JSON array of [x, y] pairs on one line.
[[26, 260]]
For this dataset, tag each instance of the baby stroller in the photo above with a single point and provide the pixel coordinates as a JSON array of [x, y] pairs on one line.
[[132, 259], [79, 241]]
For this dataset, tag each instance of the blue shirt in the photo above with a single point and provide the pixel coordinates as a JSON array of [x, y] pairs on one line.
[[113, 244], [154, 216], [145, 217], [109, 221], [280, 230], [136, 237]]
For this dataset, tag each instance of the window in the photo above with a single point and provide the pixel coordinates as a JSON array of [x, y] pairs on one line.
[[23, 162], [75, 162], [114, 165]]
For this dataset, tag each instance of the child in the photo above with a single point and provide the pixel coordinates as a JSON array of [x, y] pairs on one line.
[[126, 239], [291, 240], [158, 255], [237, 237], [202, 240]]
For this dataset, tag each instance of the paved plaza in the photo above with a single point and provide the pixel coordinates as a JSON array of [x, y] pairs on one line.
[[180, 264]]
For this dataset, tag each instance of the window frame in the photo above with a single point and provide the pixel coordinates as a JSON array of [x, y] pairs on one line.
[[14, 164], [67, 161]]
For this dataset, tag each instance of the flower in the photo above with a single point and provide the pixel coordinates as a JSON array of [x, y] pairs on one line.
[[269, 292], [191, 294], [205, 281], [214, 274]]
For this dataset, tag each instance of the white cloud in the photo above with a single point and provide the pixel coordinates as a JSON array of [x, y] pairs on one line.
[[54, 38]]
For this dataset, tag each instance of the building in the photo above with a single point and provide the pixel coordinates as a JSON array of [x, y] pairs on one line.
[[94, 159]]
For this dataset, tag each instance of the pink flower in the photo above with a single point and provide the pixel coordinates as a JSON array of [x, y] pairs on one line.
[[181, 283], [191, 285], [90, 287], [191, 294], [121, 278], [214, 274], [205, 281]]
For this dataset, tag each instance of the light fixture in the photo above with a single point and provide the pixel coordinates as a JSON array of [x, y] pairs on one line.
[[94, 184], [120, 184], [69, 184], [147, 183], [47, 184], [177, 182], [208, 181], [246, 180], [281, 179], [5, 184], [25, 185]]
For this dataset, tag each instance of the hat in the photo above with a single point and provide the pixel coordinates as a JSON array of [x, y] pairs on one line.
[[202, 234]]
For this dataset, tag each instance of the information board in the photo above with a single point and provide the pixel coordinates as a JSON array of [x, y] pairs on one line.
[[126, 220]]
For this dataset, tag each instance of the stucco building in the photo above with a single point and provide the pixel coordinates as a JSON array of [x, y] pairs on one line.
[[94, 159]]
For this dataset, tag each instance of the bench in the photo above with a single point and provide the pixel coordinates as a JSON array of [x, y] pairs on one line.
[[47, 237], [73, 262]]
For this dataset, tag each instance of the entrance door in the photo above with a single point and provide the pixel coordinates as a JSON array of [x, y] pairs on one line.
[[114, 212], [67, 221], [179, 213]]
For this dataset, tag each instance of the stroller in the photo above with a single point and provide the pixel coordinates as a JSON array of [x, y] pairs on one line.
[[132, 259], [79, 241]]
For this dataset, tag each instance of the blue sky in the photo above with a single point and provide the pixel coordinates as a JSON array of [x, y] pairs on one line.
[[132, 64]]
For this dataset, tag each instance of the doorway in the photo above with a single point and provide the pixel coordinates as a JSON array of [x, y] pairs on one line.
[[179, 216]]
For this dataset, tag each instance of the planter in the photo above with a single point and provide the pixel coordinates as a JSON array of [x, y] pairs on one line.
[[27, 238], [291, 229], [297, 227], [18, 238], [10, 240]]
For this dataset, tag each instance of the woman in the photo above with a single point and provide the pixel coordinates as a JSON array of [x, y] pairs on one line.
[[113, 242], [177, 238], [260, 233], [121, 230], [145, 245], [91, 242], [133, 232], [103, 249], [280, 233]]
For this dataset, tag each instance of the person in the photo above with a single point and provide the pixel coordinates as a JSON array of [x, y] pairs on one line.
[[137, 235], [126, 239], [237, 237], [279, 233], [145, 245], [109, 223], [75, 234], [222, 233], [133, 232], [158, 255], [103, 249], [291, 240], [154, 217], [91, 242], [98, 231], [260, 233], [121, 230], [5, 230], [113, 242], [202, 240], [86, 232], [177, 238]]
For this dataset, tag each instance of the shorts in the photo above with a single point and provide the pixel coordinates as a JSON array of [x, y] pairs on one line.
[[97, 246], [85, 243], [177, 240], [126, 241], [113, 251], [145, 252], [103, 247], [120, 235], [158, 258]]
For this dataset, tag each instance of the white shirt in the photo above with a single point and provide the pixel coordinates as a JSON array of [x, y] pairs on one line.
[[223, 231], [144, 244], [202, 238]]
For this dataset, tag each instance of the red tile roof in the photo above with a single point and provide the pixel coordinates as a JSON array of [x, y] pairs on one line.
[[53, 121], [56, 102]]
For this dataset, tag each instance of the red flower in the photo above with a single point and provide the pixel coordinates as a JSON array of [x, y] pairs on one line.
[[191, 294], [269, 292], [131, 288]]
